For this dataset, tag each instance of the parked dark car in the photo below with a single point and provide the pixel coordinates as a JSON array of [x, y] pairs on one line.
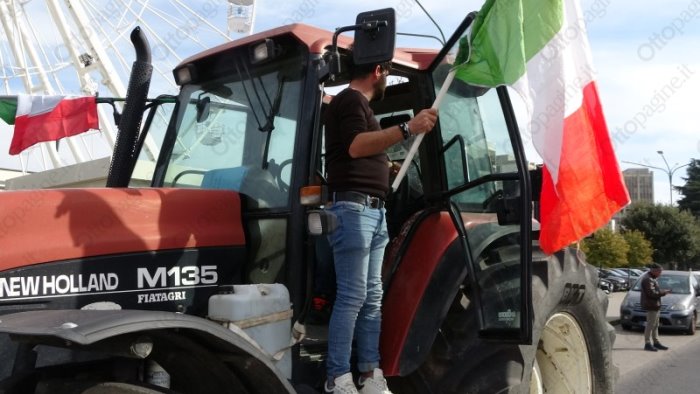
[[605, 285], [635, 271], [619, 283], [626, 273], [679, 308]]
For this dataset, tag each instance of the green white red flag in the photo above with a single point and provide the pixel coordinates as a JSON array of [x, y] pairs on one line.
[[540, 48], [47, 118]]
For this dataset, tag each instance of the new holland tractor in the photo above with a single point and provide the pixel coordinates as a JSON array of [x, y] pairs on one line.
[[204, 281]]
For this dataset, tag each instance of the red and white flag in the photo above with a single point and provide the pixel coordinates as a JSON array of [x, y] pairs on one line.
[[50, 118], [540, 48]]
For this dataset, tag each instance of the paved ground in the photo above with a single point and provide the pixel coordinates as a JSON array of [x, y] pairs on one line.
[[639, 371], [614, 301]]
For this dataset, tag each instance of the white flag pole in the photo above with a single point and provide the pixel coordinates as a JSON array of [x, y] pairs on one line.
[[419, 138]]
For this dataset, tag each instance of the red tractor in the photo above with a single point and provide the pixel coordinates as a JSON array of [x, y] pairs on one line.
[[204, 282]]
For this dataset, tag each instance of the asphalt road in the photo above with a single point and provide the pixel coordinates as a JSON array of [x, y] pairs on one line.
[[642, 372]]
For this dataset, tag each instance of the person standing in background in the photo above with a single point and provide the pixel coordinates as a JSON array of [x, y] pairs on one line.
[[651, 301]]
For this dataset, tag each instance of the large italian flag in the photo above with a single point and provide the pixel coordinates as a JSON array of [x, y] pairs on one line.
[[540, 48], [46, 118]]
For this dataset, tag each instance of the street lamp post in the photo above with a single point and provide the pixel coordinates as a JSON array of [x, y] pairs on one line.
[[670, 176], [668, 170]]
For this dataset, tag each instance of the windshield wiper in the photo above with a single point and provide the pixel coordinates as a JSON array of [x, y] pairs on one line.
[[270, 125], [273, 105], [247, 96]]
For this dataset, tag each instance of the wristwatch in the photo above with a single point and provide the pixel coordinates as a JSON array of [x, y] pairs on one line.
[[405, 130]]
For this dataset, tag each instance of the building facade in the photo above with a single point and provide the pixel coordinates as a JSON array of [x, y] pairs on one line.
[[640, 184]]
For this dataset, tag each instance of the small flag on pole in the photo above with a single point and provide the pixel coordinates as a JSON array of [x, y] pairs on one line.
[[47, 118]]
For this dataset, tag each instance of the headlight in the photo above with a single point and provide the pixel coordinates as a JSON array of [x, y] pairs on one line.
[[678, 307]]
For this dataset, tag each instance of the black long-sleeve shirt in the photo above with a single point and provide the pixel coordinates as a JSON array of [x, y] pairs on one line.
[[348, 115]]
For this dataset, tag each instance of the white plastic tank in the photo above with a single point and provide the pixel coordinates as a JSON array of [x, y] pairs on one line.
[[246, 304]]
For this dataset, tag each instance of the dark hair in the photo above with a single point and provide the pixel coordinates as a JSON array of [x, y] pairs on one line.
[[362, 70], [655, 266]]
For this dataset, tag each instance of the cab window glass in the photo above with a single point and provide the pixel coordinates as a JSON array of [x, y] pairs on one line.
[[231, 136], [480, 173]]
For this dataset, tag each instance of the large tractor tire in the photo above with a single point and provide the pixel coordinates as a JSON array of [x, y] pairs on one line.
[[112, 388], [571, 351]]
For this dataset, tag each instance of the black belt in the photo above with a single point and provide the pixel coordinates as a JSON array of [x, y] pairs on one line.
[[360, 198]]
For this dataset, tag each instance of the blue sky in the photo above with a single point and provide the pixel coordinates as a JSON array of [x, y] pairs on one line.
[[641, 49], [645, 53]]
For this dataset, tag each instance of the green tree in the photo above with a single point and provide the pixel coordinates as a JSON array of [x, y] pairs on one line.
[[606, 249], [691, 190], [674, 234], [640, 249]]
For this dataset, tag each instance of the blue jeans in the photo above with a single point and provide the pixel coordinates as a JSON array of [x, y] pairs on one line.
[[358, 250]]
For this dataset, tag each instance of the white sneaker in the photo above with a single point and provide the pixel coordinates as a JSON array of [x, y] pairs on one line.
[[343, 385], [374, 385]]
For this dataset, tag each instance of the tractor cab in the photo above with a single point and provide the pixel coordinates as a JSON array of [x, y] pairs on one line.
[[208, 276], [248, 119]]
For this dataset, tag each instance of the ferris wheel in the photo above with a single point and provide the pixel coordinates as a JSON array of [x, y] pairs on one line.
[[82, 47]]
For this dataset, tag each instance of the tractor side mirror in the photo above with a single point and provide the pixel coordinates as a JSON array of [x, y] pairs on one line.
[[375, 37]]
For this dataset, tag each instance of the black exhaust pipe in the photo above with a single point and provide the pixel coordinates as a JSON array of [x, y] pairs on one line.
[[129, 126]]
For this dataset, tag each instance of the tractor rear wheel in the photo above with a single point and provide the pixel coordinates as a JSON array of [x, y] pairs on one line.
[[119, 388], [561, 363], [571, 349]]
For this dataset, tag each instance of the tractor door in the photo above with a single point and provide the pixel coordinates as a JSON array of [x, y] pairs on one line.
[[485, 183], [458, 270]]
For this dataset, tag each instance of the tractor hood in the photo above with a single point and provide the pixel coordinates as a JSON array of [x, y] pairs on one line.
[[41, 226], [157, 249]]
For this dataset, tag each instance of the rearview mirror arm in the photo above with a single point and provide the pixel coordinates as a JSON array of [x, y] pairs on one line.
[[335, 56]]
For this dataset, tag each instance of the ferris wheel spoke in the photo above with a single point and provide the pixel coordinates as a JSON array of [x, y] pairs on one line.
[[83, 47]]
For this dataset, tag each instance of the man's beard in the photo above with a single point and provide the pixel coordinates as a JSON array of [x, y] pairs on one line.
[[379, 89]]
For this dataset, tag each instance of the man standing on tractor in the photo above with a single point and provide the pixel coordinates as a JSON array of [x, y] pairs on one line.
[[358, 183]]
